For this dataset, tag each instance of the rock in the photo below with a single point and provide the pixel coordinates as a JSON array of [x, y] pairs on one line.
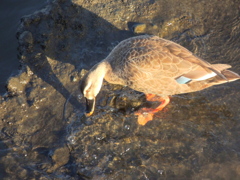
[[144, 28], [60, 158], [139, 28], [26, 38], [17, 84]]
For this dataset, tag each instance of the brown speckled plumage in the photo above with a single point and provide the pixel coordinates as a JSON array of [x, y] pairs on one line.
[[151, 64]]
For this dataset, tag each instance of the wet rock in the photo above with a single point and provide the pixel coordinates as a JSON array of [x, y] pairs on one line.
[[127, 102], [16, 85], [17, 172], [83, 72], [142, 28], [139, 28], [177, 25], [60, 158], [26, 38], [28, 126]]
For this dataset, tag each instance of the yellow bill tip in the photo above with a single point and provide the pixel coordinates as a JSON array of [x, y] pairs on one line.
[[88, 114]]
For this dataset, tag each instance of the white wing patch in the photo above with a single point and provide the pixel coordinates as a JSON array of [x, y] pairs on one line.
[[184, 80]]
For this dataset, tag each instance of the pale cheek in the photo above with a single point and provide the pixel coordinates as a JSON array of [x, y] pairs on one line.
[[89, 95]]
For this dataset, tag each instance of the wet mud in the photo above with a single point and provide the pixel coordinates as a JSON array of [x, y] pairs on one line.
[[45, 134]]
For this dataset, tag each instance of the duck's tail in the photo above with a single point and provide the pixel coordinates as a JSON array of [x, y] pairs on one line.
[[218, 68], [229, 75], [222, 76]]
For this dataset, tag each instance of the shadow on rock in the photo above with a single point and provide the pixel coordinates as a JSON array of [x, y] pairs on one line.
[[65, 34]]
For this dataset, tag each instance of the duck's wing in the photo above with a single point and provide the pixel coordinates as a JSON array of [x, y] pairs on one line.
[[204, 69], [199, 70], [170, 58]]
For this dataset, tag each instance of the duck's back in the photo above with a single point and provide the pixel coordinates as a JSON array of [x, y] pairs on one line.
[[151, 65]]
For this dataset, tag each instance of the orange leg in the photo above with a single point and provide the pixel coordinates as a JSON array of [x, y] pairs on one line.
[[146, 114]]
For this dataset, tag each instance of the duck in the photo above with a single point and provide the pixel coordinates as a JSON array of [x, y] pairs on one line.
[[155, 66]]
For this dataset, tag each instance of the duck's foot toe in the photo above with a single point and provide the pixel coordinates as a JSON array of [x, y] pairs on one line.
[[144, 118], [144, 115]]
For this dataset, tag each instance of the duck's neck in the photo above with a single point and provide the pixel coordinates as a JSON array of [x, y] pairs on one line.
[[100, 69], [113, 75], [105, 70]]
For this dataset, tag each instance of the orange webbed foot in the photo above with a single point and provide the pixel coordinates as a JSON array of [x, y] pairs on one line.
[[146, 114]]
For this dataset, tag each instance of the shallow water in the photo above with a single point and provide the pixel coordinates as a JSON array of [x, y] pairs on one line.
[[45, 134]]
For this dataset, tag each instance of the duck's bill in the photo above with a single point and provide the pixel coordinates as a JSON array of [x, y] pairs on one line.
[[90, 104]]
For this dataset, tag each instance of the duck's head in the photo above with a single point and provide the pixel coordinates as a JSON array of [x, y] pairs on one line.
[[90, 86]]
